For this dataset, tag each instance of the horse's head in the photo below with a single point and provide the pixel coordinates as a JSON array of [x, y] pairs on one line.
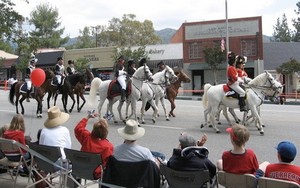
[[143, 73], [170, 75], [182, 77], [49, 74], [276, 87]]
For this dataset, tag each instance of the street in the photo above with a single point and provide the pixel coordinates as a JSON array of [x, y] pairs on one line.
[[281, 122]]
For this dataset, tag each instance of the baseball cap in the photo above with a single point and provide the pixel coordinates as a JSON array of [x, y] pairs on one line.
[[287, 149], [186, 140]]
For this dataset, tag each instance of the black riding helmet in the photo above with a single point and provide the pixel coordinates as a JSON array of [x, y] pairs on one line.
[[231, 58], [240, 60]]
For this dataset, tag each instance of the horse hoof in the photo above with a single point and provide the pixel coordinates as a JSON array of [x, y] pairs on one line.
[[217, 131], [153, 121], [124, 121], [137, 118], [143, 122], [262, 133], [115, 121], [210, 126], [219, 123], [168, 119], [201, 126], [263, 126]]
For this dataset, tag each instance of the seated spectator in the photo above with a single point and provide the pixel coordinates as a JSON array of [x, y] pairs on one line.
[[191, 156], [16, 132], [95, 141], [130, 150], [284, 170], [238, 160], [54, 133]]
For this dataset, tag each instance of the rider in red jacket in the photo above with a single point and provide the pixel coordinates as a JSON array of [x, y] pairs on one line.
[[234, 81]]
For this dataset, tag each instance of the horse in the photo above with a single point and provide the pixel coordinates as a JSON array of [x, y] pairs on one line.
[[172, 90], [156, 90], [73, 84], [141, 74], [38, 94], [261, 86]]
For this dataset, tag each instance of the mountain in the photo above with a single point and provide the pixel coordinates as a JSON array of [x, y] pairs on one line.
[[165, 34]]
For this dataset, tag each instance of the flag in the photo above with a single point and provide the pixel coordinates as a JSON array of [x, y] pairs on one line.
[[222, 45]]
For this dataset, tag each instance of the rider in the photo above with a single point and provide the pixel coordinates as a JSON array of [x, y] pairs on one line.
[[131, 68], [240, 65], [59, 72], [29, 70], [234, 81], [121, 74], [71, 69], [161, 66]]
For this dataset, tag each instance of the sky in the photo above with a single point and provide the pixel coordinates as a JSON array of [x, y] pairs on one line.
[[76, 14]]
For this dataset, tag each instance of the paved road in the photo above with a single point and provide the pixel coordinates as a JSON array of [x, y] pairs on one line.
[[282, 123]]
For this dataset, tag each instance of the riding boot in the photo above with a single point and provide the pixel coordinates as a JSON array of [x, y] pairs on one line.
[[123, 95], [27, 96], [58, 89], [242, 104]]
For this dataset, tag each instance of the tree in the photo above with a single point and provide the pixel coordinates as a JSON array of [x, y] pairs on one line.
[[136, 55], [296, 24], [81, 64], [289, 67], [282, 33], [127, 32], [84, 40], [46, 22], [9, 18], [214, 57]]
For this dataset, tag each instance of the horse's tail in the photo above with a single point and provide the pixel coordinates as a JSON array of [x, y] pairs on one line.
[[204, 97], [95, 85], [12, 92]]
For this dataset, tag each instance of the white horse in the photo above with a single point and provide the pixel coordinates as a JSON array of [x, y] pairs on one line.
[[141, 74], [156, 90], [261, 86]]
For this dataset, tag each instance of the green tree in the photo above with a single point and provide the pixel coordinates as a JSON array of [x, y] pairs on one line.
[[282, 33], [131, 54], [127, 32], [289, 67], [81, 64], [214, 57], [84, 40], [46, 22], [9, 18], [296, 24]]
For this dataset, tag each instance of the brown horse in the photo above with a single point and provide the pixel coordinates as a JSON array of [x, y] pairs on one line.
[[39, 93], [172, 90], [74, 84]]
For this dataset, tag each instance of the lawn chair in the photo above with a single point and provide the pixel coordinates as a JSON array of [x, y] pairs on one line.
[[265, 182], [230, 180]]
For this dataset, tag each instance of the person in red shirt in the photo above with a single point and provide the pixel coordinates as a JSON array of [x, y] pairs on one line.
[[284, 170], [234, 81], [240, 68], [238, 160], [95, 141]]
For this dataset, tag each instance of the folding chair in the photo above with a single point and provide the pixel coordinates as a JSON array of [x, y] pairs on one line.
[[230, 180], [265, 182], [13, 148], [131, 174], [190, 179], [48, 159], [83, 166]]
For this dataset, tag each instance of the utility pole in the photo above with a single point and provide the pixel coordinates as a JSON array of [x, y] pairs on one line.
[[227, 34], [95, 31]]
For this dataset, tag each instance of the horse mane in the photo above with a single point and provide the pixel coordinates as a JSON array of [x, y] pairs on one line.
[[258, 80]]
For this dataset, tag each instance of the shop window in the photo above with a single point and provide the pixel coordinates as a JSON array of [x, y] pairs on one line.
[[195, 50], [249, 47]]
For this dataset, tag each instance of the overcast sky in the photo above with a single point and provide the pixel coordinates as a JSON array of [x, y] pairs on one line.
[[76, 14]]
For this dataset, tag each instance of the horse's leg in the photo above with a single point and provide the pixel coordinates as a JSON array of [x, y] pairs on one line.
[[128, 102], [77, 100], [48, 100], [100, 106], [162, 101], [21, 103], [173, 106], [214, 110], [55, 98], [256, 115], [83, 99], [236, 119], [206, 113], [119, 110], [73, 99], [110, 111], [17, 103], [133, 109], [225, 114], [144, 101], [219, 112]]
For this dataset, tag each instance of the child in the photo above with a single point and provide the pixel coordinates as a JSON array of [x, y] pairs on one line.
[[238, 160]]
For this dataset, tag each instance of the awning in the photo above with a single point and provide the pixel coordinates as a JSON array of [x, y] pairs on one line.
[[204, 66], [170, 62]]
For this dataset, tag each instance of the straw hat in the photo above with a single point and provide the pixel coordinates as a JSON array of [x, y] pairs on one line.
[[131, 131], [55, 117]]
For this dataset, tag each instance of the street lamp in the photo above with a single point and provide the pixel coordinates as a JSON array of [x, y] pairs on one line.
[[227, 34]]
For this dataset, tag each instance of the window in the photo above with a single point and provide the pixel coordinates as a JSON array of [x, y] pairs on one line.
[[249, 47], [195, 50]]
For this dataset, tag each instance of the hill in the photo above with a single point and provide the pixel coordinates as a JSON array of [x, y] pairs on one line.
[[165, 34]]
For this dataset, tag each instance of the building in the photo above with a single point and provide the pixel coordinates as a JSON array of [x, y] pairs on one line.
[[8, 60], [245, 38]]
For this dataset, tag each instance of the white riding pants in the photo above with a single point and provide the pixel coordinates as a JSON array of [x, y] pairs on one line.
[[29, 84], [58, 79], [122, 81], [236, 87]]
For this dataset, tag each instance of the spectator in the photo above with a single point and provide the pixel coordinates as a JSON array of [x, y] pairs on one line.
[[238, 160], [130, 150], [95, 141], [191, 156], [54, 133], [284, 170]]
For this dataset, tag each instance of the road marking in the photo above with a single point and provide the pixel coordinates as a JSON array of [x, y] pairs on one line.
[[163, 127], [6, 111]]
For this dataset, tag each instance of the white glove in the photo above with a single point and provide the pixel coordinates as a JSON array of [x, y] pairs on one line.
[[247, 80], [240, 80], [122, 73]]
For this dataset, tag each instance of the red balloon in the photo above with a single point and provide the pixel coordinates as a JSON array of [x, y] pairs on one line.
[[38, 77]]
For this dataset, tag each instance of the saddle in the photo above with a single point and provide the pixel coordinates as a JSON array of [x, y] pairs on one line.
[[114, 89], [24, 88], [54, 81], [231, 93]]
